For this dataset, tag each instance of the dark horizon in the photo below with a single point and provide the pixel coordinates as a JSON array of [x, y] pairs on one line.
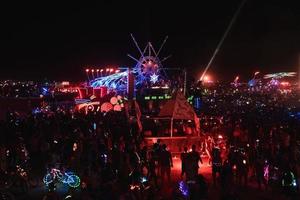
[[59, 41]]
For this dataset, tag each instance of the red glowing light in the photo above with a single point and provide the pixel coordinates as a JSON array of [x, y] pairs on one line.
[[234, 167], [207, 79], [111, 70], [117, 71], [107, 69], [113, 100], [87, 70], [106, 107], [97, 70], [101, 70], [90, 107], [285, 83], [117, 108], [80, 93], [92, 70]]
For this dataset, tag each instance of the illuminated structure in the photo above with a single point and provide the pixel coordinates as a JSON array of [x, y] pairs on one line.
[[146, 82], [147, 71], [280, 75], [273, 79], [114, 103]]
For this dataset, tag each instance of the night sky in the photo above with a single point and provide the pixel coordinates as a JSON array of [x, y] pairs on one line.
[[58, 41]]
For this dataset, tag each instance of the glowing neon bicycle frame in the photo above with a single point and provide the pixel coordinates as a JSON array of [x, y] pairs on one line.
[[65, 177]]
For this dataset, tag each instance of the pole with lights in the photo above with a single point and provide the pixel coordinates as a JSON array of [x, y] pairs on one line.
[[93, 75], [87, 74], [184, 82]]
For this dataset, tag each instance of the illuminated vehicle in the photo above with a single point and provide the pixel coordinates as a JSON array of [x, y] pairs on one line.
[[65, 177]]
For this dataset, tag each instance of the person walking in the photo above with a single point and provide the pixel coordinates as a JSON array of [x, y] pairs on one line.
[[165, 163], [192, 164], [183, 157], [216, 163]]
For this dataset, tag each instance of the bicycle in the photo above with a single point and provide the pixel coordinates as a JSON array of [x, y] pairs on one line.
[[68, 178]]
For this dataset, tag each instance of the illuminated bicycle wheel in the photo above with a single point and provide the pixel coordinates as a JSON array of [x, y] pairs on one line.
[[73, 181], [48, 178], [66, 178]]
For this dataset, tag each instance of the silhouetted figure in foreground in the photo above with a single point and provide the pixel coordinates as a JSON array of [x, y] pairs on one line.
[[216, 163], [165, 163], [192, 164], [183, 157]]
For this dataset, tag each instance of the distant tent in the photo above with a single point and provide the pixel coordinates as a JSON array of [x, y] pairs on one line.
[[180, 109]]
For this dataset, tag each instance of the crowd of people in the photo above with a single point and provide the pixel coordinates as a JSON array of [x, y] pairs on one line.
[[261, 128], [254, 138], [15, 89], [106, 150]]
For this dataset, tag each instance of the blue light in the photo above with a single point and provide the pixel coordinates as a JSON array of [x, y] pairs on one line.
[[183, 189], [45, 90], [294, 183], [252, 82], [47, 179], [68, 178], [118, 81], [197, 102], [143, 179], [154, 78], [36, 111]]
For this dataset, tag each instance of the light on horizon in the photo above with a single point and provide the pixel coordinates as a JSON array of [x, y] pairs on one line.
[[207, 79]]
